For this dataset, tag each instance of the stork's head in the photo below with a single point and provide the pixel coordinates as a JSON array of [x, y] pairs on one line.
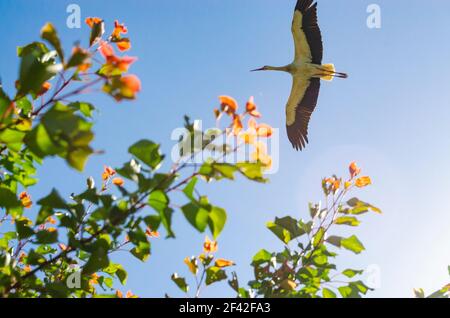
[[264, 68]]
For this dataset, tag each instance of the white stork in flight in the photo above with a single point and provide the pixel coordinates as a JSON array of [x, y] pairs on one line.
[[306, 70]]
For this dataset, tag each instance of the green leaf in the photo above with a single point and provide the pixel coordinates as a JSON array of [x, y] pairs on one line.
[[252, 171], [48, 33], [35, 258], [121, 274], [318, 237], [40, 143], [359, 287], [148, 152], [98, 258], [214, 274], [226, 170], [442, 293], [24, 105], [347, 220], [335, 240], [196, 215], [159, 201], [141, 251], [286, 229], [49, 204], [346, 292], [8, 199], [47, 237], [328, 293], [53, 200], [23, 228], [352, 244], [350, 273], [180, 282], [62, 133], [37, 66], [189, 189], [360, 207], [217, 220], [261, 257], [85, 108]]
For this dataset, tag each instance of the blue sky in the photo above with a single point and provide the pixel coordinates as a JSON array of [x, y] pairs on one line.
[[391, 116]]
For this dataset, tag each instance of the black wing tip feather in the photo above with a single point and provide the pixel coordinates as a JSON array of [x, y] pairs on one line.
[[305, 5], [298, 139]]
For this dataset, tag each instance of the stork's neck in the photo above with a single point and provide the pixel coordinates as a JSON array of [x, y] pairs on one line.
[[285, 68]]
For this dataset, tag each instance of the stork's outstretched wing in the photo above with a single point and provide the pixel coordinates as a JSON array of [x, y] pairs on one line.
[[300, 106], [306, 32]]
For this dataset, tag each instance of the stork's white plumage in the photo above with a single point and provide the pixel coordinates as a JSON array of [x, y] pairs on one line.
[[307, 71]]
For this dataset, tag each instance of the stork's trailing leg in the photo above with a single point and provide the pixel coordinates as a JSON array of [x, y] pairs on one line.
[[328, 72]]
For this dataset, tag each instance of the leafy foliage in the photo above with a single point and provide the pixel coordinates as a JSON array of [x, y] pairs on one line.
[[304, 268], [66, 250]]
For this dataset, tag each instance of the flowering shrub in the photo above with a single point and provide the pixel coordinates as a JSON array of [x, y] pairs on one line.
[[60, 247], [304, 268]]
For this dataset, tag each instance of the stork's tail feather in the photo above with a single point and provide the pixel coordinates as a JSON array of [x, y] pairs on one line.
[[329, 72]]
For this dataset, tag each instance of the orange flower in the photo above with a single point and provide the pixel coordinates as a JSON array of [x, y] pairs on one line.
[[62, 246], [264, 130], [119, 294], [51, 230], [354, 170], [119, 29], [228, 104], [209, 246], [118, 182], [248, 136], [132, 83], [91, 21], [220, 262], [191, 264], [261, 155], [27, 268], [130, 294], [94, 279], [251, 108], [122, 63], [25, 198], [108, 172], [237, 125], [51, 220], [363, 182], [45, 88], [334, 183], [123, 45], [150, 233], [106, 50]]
